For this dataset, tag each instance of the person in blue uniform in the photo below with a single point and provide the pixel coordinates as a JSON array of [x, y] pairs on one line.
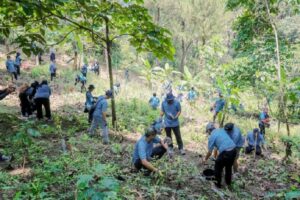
[[154, 101]]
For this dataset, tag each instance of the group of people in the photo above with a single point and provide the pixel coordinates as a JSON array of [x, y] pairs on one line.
[[14, 66], [34, 98]]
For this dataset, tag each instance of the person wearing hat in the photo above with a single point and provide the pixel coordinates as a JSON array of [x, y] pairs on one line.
[[99, 116], [10, 66], [210, 127], [144, 150], [171, 110], [236, 135], [220, 140], [154, 101], [255, 142], [218, 106], [89, 102]]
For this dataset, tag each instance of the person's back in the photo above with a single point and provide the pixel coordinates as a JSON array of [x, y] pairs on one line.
[[154, 101], [10, 66], [220, 103], [84, 69], [101, 106], [237, 137], [221, 140], [18, 59], [43, 91], [254, 140], [192, 95], [142, 147], [52, 68], [52, 56]]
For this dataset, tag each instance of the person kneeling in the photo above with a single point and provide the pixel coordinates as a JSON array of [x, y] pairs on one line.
[[145, 151], [255, 141]]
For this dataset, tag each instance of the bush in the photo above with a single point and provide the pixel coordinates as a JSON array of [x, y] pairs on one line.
[[40, 71], [135, 115]]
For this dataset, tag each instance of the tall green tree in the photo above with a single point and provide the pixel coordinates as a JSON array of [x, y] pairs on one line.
[[102, 21]]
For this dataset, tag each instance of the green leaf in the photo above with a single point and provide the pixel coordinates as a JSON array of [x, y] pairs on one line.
[[33, 132]]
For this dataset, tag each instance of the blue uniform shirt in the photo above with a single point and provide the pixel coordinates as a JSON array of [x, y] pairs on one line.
[[154, 102], [192, 95], [101, 106], [89, 99], [43, 91], [84, 69], [52, 68], [170, 111], [237, 137], [220, 139], [10, 66], [18, 60], [220, 103], [251, 139], [143, 149]]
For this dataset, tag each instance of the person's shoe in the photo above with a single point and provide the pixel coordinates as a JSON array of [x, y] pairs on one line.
[[182, 152], [106, 142]]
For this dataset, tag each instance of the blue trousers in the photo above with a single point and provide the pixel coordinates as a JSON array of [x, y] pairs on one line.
[[97, 120]]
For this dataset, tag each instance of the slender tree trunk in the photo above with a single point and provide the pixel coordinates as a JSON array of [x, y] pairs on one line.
[[75, 60], [282, 104], [37, 61], [6, 45], [183, 55], [111, 80]]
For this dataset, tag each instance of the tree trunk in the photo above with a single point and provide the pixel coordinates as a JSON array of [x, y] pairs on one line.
[[108, 54], [75, 60], [37, 60], [6, 45], [282, 104], [183, 55]]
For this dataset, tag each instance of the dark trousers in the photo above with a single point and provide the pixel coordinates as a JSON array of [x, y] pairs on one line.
[[250, 148], [157, 153], [14, 75], [225, 159], [52, 76], [25, 107], [18, 69], [40, 102], [84, 74], [262, 128], [176, 131]]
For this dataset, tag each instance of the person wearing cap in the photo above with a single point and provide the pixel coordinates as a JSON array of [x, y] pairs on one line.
[[144, 150], [99, 116], [171, 110], [90, 101], [255, 142], [52, 70], [236, 135], [264, 121], [10, 66], [218, 106], [154, 101], [18, 63], [220, 140], [42, 98], [210, 127]]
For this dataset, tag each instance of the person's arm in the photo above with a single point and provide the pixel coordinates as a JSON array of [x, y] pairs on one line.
[[211, 146], [179, 110], [143, 157], [207, 156], [104, 111], [164, 144], [3, 94]]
